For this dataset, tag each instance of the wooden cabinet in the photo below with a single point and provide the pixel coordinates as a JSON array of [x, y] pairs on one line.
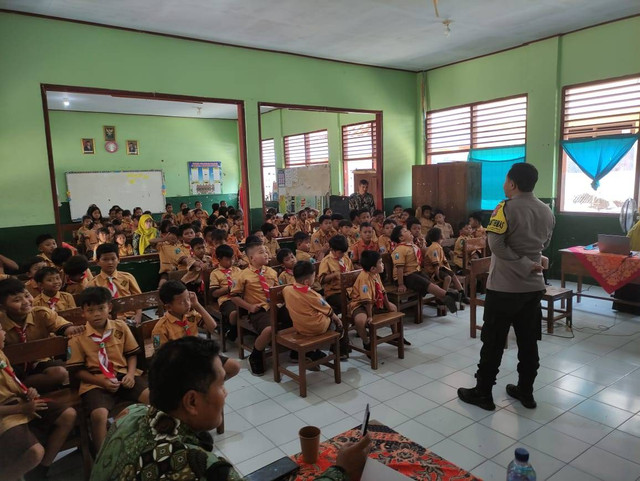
[[453, 187]]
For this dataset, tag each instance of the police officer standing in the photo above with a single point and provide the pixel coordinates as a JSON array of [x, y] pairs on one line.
[[519, 229]]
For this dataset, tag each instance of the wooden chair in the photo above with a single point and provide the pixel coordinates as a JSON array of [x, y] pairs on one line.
[[553, 294], [478, 268], [403, 300], [387, 319], [142, 333], [146, 300], [290, 339], [32, 351], [74, 316], [176, 275]]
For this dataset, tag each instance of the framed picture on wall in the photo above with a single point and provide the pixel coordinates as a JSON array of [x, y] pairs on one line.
[[109, 132], [132, 147], [88, 146]]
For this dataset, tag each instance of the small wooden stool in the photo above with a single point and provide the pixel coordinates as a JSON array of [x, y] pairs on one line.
[[552, 295]]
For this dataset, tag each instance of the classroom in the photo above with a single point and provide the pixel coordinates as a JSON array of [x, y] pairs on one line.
[[254, 142]]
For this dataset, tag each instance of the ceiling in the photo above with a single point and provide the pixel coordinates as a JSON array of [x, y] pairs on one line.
[[81, 102], [403, 34]]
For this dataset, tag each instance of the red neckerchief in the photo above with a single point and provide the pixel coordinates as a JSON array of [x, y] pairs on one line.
[[416, 251], [5, 367], [227, 273], [379, 299], [289, 271], [52, 302], [184, 323], [112, 287], [303, 289], [106, 366], [263, 283], [372, 246], [343, 267], [22, 333]]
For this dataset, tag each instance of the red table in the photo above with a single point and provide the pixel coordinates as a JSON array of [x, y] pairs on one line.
[[392, 449]]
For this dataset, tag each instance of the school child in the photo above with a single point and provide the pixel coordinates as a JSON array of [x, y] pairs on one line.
[[320, 238], [77, 274], [220, 237], [32, 429], [119, 284], [377, 221], [270, 232], [397, 213], [365, 216], [368, 295], [104, 359], [138, 211], [406, 214], [287, 260], [330, 269], [302, 224], [270, 219], [347, 231], [127, 222], [385, 245], [215, 208], [186, 233], [311, 314], [475, 222], [465, 233], [32, 266], [292, 226], [46, 243], [424, 215], [183, 315], [96, 216], [335, 224], [124, 249], [22, 323], [220, 283], [237, 229], [170, 252], [415, 227], [196, 265], [50, 285], [103, 237], [180, 216], [407, 269], [445, 227], [366, 242], [437, 266], [168, 214], [251, 292], [87, 236], [198, 205]]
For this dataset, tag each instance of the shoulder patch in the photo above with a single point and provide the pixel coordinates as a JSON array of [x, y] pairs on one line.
[[68, 352], [397, 255], [365, 289], [156, 341], [498, 221]]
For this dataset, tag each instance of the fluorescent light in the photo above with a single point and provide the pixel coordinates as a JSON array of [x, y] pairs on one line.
[[65, 102]]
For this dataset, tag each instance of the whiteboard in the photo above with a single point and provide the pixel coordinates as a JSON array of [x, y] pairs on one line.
[[314, 180], [128, 189]]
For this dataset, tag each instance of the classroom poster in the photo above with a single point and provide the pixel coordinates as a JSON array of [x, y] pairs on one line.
[[205, 178]]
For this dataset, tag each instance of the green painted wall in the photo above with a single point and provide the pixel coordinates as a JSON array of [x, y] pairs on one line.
[[279, 123], [165, 143], [39, 51]]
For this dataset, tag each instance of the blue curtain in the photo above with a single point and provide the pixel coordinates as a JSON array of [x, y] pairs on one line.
[[496, 162], [597, 157]]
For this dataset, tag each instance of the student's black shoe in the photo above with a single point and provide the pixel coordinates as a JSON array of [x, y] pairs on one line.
[[293, 355], [474, 396], [464, 299], [256, 364], [316, 355], [527, 400], [344, 356], [406, 343], [450, 301], [231, 334], [367, 346]]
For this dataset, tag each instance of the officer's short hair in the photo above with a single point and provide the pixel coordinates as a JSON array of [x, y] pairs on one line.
[[524, 175]]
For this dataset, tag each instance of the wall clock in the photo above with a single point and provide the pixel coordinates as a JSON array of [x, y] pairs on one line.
[[111, 147]]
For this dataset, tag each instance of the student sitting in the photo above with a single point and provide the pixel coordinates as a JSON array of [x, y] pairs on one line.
[[168, 214], [50, 285], [186, 233], [292, 225], [406, 214], [198, 205], [103, 238], [368, 295], [23, 415], [335, 224], [445, 227], [320, 238], [270, 232], [310, 313], [127, 222], [32, 266], [330, 269], [77, 274], [385, 245], [464, 234], [46, 243], [366, 242], [475, 222], [437, 266], [303, 247], [220, 283], [119, 284], [170, 252], [124, 249], [237, 229], [413, 225], [396, 213], [183, 315], [143, 235], [104, 359], [377, 222], [87, 236], [287, 260], [365, 216], [23, 323], [346, 229], [407, 263], [251, 292], [303, 225], [196, 265]]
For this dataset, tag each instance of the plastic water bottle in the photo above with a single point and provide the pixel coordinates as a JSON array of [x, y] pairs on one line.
[[519, 469]]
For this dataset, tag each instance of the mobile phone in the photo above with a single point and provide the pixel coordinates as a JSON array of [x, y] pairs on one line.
[[281, 469], [365, 421]]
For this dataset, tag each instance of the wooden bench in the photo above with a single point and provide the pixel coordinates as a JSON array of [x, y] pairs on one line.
[[56, 347], [146, 300], [74, 316], [392, 320], [403, 300], [290, 339]]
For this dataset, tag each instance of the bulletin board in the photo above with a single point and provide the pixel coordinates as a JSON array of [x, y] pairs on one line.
[[128, 189], [300, 187], [205, 178]]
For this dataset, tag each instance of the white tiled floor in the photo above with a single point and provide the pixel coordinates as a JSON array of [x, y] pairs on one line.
[[586, 426]]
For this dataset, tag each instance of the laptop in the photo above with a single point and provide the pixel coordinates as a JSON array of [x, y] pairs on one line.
[[614, 244]]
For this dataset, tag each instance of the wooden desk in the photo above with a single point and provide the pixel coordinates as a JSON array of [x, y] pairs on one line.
[[570, 265]]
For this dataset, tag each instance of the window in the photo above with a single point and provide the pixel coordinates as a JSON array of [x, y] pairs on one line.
[[306, 149], [269, 169], [358, 151], [451, 133], [589, 112]]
